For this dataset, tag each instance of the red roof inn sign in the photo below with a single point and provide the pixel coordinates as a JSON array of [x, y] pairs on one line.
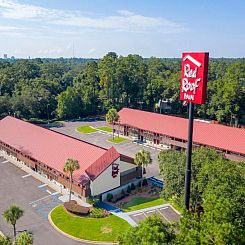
[[193, 85]]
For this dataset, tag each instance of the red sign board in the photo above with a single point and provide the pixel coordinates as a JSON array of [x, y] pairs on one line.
[[193, 84]]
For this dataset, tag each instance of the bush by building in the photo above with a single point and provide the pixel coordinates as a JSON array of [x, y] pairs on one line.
[[109, 197]]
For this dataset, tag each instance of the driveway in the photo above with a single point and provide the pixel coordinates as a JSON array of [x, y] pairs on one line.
[[128, 148], [18, 187]]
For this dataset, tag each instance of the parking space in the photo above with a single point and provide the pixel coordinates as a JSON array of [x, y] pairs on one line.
[[167, 214], [17, 187]]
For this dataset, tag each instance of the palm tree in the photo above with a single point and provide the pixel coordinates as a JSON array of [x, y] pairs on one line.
[[5, 241], [24, 238], [112, 117], [142, 159], [12, 215], [70, 166]]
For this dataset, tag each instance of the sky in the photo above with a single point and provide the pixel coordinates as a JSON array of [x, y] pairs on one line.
[[92, 28]]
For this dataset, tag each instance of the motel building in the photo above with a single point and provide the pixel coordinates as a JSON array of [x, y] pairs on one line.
[[171, 132], [45, 152]]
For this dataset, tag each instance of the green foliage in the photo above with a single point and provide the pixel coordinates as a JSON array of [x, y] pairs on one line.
[[69, 104], [70, 166], [101, 229], [12, 214], [5, 241], [98, 213], [151, 231], [109, 197], [112, 117], [71, 89], [137, 203], [133, 186], [93, 200], [144, 182], [24, 238], [128, 189], [142, 159], [217, 214]]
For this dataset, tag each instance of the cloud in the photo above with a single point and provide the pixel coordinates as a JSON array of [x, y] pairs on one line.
[[92, 50], [10, 28], [14, 10], [124, 20]]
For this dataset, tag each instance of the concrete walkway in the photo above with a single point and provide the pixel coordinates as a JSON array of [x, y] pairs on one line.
[[51, 184]]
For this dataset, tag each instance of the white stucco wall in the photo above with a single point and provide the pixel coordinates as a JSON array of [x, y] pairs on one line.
[[105, 182]]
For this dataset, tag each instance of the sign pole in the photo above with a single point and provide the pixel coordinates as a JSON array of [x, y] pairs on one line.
[[188, 159]]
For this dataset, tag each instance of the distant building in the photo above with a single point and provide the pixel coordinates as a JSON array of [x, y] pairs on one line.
[[5, 56], [12, 58]]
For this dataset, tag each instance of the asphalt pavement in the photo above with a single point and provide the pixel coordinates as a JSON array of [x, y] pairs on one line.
[[18, 187]]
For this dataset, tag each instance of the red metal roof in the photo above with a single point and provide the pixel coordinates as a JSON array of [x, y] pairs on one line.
[[94, 170], [52, 148], [209, 134]]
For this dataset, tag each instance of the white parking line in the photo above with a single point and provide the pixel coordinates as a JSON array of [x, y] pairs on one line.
[[4, 161], [27, 175], [40, 186], [163, 208], [49, 192], [138, 214], [151, 211], [53, 194]]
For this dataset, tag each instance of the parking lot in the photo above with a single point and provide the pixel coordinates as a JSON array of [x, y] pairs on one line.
[[166, 212], [128, 148], [35, 198]]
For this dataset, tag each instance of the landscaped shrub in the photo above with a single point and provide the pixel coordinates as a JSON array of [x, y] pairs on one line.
[[98, 213], [129, 189], [75, 208], [145, 182], [93, 201], [109, 197], [119, 196], [132, 186]]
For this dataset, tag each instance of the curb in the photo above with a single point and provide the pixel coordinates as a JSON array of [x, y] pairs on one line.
[[75, 238]]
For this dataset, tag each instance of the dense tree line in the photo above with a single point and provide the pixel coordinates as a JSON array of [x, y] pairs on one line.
[[45, 88], [217, 213]]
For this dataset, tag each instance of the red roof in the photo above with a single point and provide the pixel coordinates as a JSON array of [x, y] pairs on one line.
[[209, 134], [52, 148], [94, 170]]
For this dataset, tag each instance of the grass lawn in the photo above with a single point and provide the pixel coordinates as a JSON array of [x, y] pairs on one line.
[[117, 140], [101, 229], [86, 129], [142, 202], [106, 129]]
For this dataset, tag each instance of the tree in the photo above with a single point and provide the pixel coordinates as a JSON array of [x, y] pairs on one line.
[[24, 238], [5, 241], [143, 159], [112, 117], [69, 104], [11, 215], [152, 231], [70, 166], [172, 169]]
